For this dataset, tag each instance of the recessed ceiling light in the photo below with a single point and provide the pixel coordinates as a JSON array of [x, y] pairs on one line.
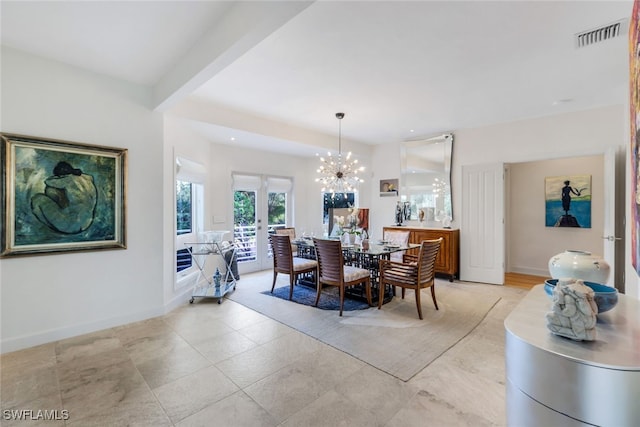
[[562, 101], [233, 138], [411, 130]]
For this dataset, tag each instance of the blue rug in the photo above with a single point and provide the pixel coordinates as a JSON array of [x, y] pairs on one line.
[[329, 300]]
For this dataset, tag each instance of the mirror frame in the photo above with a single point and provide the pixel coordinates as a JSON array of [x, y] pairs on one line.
[[447, 160]]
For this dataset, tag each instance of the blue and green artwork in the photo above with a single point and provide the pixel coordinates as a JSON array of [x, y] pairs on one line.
[[63, 196], [568, 201]]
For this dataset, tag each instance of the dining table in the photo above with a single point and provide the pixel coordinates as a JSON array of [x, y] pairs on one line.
[[355, 255]]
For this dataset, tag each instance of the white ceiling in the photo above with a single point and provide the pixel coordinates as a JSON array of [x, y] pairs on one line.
[[283, 69]]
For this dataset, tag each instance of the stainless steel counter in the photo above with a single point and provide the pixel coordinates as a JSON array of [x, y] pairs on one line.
[[555, 380]]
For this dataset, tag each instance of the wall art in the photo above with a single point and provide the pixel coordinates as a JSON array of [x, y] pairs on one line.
[[60, 196], [568, 201], [634, 118]]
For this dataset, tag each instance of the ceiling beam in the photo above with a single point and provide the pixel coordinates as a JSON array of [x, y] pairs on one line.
[[244, 26]]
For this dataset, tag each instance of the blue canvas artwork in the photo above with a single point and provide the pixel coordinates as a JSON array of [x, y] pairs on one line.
[[61, 196], [568, 201]]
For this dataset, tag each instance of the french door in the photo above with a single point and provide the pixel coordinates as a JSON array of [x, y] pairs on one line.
[[261, 203]]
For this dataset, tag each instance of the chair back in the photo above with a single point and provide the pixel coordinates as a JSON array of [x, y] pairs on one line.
[[400, 238], [282, 254], [427, 259], [330, 261], [289, 231]]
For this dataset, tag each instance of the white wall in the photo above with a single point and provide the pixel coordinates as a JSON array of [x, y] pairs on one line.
[[56, 296], [530, 243], [583, 133], [222, 159]]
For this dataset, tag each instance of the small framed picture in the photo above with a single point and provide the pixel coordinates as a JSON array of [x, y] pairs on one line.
[[60, 196]]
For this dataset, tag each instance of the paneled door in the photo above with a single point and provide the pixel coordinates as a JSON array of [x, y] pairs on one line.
[[482, 235]]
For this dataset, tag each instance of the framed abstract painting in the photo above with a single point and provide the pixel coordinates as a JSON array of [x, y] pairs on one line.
[[60, 196]]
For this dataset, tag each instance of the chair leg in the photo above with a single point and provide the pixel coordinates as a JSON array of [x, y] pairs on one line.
[[275, 275], [417, 290], [402, 293], [318, 287], [381, 288], [292, 280], [368, 289], [433, 295], [341, 298]]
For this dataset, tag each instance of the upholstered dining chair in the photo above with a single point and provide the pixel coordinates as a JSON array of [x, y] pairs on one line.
[[400, 238], [333, 272], [416, 276], [284, 262], [291, 232]]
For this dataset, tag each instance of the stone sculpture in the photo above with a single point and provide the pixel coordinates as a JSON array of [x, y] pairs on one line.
[[574, 311]]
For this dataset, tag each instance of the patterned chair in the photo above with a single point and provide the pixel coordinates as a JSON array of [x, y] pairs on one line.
[[333, 272], [284, 262], [414, 276], [400, 238]]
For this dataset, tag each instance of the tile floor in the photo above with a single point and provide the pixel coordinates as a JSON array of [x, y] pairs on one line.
[[208, 364]]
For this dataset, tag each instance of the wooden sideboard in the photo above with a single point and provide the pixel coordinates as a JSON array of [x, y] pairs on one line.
[[448, 258]]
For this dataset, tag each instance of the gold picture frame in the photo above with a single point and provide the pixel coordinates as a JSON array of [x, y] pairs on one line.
[[61, 196]]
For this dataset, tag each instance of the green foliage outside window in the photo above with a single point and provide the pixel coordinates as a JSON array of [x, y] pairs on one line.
[[184, 207], [277, 208], [244, 208]]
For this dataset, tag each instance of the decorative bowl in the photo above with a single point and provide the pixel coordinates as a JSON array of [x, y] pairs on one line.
[[605, 296]]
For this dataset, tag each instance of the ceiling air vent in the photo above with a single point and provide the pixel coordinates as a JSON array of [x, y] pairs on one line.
[[601, 34]]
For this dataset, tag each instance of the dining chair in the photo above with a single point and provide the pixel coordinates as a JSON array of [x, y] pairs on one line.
[[416, 276], [400, 238], [333, 272], [284, 262], [291, 232]]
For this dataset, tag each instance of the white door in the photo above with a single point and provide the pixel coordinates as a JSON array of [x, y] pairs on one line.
[[613, 251], [260, 204], [482, 236]]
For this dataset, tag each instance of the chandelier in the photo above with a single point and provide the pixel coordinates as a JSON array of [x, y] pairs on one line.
[[339, 174]]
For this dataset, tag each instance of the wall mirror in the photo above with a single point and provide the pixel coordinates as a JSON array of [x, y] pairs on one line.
[[426, 178]]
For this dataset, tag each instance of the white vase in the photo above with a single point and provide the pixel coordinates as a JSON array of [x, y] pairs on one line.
[[579, 265]]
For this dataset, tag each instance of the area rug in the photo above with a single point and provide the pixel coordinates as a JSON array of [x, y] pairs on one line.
[[392, 339], [329, 299]]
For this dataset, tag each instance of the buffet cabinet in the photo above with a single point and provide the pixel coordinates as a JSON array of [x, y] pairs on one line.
[[447, 262]]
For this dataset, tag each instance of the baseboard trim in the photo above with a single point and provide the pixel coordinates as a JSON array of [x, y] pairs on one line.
[[20, 343], [530, 271]]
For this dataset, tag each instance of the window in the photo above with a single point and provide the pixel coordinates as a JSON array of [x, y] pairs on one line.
[[190, 177], [336, 200], [184, 207]]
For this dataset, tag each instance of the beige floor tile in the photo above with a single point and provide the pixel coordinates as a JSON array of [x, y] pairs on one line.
[[89, 391], [167, 367], [194, 392], [237, 410], [21, 387], [469, 393], [300, 383], [223, 347], [427, 409], [332, 409], [145, 348], [138, 408], [263, 332], [262, 361], [380, 394], [30, 358], [146, 328], [86, 346]]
